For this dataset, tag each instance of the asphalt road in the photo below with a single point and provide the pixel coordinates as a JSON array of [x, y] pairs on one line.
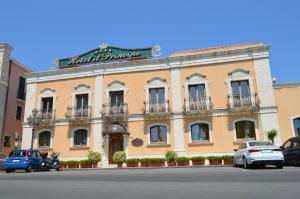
[[181, 183]]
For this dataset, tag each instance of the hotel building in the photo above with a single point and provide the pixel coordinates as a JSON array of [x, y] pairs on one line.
[[197, 102], [12, 99]]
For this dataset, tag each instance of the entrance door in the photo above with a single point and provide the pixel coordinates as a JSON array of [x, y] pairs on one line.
[[115, 144]]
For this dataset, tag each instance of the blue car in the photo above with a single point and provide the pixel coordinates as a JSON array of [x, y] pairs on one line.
[[23, 159]]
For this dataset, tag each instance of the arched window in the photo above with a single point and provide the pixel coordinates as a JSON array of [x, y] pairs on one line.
[[245, 130], [45, 139], [158, 134], [296, 123], [199, 132], [80, 137]]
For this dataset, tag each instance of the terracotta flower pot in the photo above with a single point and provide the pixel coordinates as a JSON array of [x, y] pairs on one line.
[[228, 162], [73, 166], [215, 162], [94, 164], [119, 164], [183, 163], [198, 162], [157, 164], [85, 166], [63, 166], [145, 164], [132, 164], [171, 164]]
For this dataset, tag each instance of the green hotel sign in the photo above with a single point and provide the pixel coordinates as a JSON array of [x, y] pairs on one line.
[[108, 54]]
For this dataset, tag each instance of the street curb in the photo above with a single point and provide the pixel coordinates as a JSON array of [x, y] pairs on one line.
[[144, 168]]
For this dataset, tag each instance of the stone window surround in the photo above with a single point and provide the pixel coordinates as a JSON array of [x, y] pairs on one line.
[[116, 85], [196, 79], [158, 124], [45, 93], [200, 122], [245, 119], [37, 137], [81, 89], [87, 139], [292, 124], [157, 82], [240, 74]]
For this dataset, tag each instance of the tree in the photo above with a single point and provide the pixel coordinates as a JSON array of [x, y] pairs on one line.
[[272, 134]]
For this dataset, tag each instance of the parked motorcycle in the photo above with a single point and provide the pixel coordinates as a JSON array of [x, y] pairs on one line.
[[50, 163]]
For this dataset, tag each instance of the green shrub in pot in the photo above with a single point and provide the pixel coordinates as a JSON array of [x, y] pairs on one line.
[[119, 157]]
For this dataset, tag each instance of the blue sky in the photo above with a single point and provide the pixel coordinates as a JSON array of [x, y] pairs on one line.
[[42, 30]]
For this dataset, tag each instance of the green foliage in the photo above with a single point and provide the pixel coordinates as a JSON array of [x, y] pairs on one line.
[[182, 159], [72, 162], [119, 157], [272, 134], [133, 160], [214, 157], [145, 160], [198, 158], [157, 160], [94, 157], [85, 162], [171, 156], [62, 162], [227, 157]]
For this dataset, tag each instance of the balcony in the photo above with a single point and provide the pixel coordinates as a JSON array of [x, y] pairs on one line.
[[42, 118], [115, 112], [246, 103], [78, 114], [156, 110], [202, 106]]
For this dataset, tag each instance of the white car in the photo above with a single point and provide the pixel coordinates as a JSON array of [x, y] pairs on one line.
[[258, 153]]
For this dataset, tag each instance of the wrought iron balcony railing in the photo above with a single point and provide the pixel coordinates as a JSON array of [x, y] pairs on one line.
[[242, 101], [109, 109], [78, 112], [42, 117], [202, 104], [156, 107]]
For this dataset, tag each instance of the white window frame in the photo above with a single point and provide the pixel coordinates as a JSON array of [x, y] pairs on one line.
[[45, 93], [209, 131], [240, 74], [116, 85], [79, 90], [158, 124], [87, 140], [245, 119], [292, 124], [38, 137], [196, 79], [157, 82]]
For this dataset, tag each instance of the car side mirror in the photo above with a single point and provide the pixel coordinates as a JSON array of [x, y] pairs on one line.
[[235, 150]]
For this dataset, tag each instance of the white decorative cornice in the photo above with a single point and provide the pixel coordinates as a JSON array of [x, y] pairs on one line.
[[150, 64]]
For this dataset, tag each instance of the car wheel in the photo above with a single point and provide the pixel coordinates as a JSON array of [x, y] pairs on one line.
[[279, 166], [28, 169], [7, 170], [245, 163]]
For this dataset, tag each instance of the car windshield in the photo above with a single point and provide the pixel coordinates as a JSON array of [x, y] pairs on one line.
[[17, 154], [251, 144]]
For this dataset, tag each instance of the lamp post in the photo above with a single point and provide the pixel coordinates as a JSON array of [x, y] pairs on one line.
[[33, 121]]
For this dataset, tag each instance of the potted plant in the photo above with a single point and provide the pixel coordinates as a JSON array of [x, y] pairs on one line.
[[63, 164], [182, 161], [119, 157], [133, 162], [198, 160], [145, 162], [227, 159], [215, 160], [94, 158], [85, 164], [171, 158], [272, 134], [157, 162], [73, 164]]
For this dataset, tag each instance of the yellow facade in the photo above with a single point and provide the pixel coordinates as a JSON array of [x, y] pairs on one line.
[[215, 68]]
